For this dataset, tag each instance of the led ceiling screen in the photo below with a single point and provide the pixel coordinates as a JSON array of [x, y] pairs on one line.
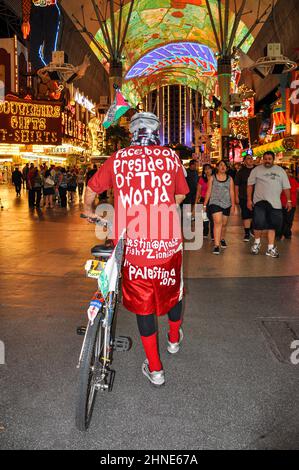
[[156, 23], [184, 54]]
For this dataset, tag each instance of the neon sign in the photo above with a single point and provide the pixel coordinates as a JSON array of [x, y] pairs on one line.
[[30, 123], [182, 54], [85, 102], [247, 109]]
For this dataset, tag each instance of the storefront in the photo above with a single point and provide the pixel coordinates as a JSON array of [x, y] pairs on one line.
[[286, 151], [27, 128], [6, 168], [42, 132]]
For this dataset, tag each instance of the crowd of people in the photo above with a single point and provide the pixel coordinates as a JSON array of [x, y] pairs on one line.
[[53, 185], [152, 285], [265, 192]]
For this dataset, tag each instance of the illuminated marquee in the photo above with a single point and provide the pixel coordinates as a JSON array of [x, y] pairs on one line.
[[190, 54], [247, 109], [24, 122], [71, 127], [85, 102]]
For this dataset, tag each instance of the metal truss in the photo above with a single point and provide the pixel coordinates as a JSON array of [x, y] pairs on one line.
[[115, 39], [10, 19], [114, 35], [224, 38]]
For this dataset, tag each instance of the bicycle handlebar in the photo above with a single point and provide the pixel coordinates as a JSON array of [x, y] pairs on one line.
[[97, 220]]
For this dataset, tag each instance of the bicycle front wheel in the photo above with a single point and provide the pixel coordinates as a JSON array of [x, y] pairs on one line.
[[92, 351]]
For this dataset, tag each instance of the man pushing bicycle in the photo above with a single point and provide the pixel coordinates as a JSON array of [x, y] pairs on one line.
[[148, 183]]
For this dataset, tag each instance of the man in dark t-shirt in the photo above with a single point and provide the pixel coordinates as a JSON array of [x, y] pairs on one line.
[[192, 181], [241, 194], [17, 179], [90, 173]]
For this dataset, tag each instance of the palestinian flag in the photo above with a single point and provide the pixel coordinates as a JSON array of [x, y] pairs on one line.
[[119, 107]]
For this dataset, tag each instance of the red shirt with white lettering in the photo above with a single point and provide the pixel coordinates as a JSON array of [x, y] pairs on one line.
[[145, 180]]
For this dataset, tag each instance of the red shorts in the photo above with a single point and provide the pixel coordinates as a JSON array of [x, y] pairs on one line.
[[155, 289]]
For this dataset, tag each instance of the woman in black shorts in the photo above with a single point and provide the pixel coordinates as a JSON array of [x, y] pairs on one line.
[[221, 198]]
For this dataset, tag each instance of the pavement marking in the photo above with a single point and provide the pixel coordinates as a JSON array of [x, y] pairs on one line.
[[280, 333]]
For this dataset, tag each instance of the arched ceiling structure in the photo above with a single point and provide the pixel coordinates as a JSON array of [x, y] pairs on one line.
[[156, 23]]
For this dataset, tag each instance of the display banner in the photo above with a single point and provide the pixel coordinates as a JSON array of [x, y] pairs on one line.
[[181, 54], [30, 123]]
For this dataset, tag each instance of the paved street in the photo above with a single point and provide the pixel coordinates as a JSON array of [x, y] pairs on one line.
[[232, 385]]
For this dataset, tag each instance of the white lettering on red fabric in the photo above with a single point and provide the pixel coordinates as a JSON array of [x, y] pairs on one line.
[[167, 277], [145, 177]]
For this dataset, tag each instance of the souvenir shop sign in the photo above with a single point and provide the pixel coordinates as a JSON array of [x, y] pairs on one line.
[[30, 123]]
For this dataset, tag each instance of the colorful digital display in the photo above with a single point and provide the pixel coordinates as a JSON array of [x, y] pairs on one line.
[[160, 24], [183, 54], [279, 114]]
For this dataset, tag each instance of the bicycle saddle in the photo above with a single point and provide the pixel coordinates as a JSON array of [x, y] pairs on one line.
[[102, 250]]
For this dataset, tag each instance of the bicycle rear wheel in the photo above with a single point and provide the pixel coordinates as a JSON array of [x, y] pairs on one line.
[[92, 351]]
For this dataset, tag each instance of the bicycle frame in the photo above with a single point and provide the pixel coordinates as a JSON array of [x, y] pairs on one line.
[[108, 307], [95, 372], [107, 314]]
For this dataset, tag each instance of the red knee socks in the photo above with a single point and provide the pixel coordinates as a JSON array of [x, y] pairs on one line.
[[174, 327], [150, 344]]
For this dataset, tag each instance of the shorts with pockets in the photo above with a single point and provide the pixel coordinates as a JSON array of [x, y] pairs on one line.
[[265, 217], [245, 212]]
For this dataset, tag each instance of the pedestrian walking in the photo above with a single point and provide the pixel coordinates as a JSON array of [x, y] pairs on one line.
[[49, 190], [268, 181], [17, 178], [192, 181], [241, 181], [90, 173], [30, 185], [221, 198], [80, 181], [55, 173], [25, 172], [62, 187], [288, 215], [202, 188], [37, 187], [72, 185], [145, 293]]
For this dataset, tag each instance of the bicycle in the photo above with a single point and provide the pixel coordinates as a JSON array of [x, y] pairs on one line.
[[95, 373]]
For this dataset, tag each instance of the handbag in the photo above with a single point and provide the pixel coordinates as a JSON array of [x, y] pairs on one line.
[[49, 181]]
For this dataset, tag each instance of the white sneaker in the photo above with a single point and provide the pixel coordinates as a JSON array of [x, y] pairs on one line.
[[173, 348], [156, 377], [255, 249], [273, 252]]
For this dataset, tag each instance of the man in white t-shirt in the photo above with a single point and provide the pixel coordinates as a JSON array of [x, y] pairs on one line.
[[267, 181]]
